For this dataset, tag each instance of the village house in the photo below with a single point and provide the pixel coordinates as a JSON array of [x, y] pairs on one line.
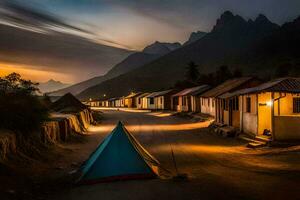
[[271, 109], [212, 105], [120, 102], [139, 100], [187, 100], [94, 103], [162, 99], [130, 100], [111, 102], [148, 101]]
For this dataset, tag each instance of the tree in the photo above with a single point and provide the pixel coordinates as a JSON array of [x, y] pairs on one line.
[[192, 73], [20, 109], [237, 73], [223, 73]]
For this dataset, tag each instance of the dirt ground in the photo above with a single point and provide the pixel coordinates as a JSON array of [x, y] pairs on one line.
[[217, 168]]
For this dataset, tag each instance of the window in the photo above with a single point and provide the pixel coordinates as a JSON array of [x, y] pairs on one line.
[[151, 100], [213, 103], [296, 105], [248, 104], [226, 105], [139, 100], [235, 103], [208, 100]]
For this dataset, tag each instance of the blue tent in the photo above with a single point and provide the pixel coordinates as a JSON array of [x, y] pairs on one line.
[[119, 157]]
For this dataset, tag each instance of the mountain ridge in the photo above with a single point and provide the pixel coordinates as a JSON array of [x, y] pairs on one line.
[[233, 41]]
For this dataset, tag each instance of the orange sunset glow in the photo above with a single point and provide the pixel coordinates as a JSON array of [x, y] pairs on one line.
[[32, 74]]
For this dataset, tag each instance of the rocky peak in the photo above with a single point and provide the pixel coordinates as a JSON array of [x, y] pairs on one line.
[[195, 36], [228, 20], [161, 47]]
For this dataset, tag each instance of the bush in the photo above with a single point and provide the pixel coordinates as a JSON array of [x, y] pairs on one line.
[[20, 109]]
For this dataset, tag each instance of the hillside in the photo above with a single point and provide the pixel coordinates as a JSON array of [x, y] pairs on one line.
[[248, 45], [51, 85], [133, 61], [195, 36]]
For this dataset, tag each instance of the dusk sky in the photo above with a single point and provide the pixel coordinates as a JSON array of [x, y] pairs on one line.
[[131, 24], [136, 23]]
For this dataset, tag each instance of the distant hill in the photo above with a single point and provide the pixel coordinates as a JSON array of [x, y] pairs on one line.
[[51, 85], [257, 47], [133, 61], [195, 36]]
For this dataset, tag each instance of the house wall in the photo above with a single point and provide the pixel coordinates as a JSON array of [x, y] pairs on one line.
[[264, 112], [118, 103], [144, 103], [195, 104], [208, 106], [248, 119], [287, 127], [159, 103], [179, 105], [150, 106], [285, 104], [236, 119], [128, 102], [226, 117]]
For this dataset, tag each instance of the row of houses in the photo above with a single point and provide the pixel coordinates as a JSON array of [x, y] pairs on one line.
[[270, 109]]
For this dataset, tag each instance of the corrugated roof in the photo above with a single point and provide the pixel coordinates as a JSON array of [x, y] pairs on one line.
[[112, 99], [225, 87], [161, 93], [192, 91], [132, 95], [287, 84], [151, 95], [143, 95]]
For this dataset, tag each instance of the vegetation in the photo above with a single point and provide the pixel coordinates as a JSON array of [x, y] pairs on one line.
[[193, 76], [20, 109]]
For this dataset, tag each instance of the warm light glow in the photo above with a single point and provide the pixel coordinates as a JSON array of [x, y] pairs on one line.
[[160, 114], [269, 103], [153, 127], [31, 73]]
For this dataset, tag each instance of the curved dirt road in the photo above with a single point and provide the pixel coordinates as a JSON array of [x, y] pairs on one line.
[[218, 168]]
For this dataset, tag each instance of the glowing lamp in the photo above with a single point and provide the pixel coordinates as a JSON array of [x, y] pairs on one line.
[[269, 103]]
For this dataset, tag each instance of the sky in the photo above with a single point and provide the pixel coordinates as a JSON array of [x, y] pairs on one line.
[[134, 24]]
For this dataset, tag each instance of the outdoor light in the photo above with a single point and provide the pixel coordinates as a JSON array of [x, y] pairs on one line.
[[90, 99], [104, 95], [269, 103]]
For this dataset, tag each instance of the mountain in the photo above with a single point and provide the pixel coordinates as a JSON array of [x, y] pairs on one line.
[[34, 39], [255, 46], [161, 48], [195, 36], [51, 85], [133, 61]]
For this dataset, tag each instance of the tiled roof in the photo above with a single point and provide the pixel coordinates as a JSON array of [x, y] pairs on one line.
[[225, 87], [192, 91], [132, 95], [287, 84]]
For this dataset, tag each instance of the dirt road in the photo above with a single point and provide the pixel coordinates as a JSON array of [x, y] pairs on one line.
[[217, 168]]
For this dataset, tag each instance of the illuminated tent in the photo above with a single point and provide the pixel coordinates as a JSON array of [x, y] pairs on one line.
[[119, 157]]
